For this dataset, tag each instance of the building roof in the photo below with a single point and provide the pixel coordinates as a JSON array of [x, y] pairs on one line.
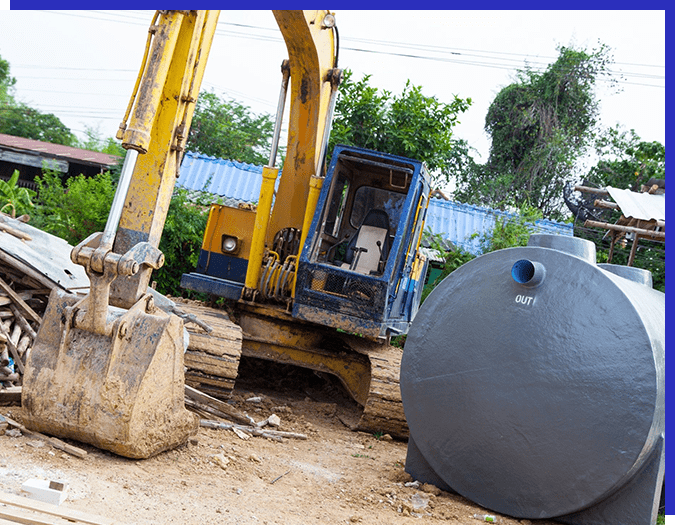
[[48, 150], [237, 182], [458, 222], [643, 206]]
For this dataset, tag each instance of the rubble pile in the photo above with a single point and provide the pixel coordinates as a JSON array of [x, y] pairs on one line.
[[32, 264]]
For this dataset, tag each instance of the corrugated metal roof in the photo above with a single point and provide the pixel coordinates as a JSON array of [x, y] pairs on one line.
[[234, 181], [45, 253], [642, 206], [458, 222], [57, 150], [239, 182]]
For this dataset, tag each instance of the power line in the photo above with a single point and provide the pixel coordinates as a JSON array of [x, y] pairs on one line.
[[466, 52]]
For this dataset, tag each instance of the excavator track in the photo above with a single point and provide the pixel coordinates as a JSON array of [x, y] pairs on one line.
[[212, 358], [369, 370], [383, 411]]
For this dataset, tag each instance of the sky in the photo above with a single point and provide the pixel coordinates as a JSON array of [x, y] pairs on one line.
[[81, 65]]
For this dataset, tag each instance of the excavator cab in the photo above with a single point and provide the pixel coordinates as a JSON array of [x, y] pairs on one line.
[[359, 270]]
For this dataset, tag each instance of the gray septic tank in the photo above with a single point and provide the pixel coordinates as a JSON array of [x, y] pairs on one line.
[[533, 384]]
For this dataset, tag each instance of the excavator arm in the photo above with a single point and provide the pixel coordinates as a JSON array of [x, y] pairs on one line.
[[107, 369]]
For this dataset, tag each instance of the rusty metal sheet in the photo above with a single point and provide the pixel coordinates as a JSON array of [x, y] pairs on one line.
[[642, 206], [45, 253], [49, 150]]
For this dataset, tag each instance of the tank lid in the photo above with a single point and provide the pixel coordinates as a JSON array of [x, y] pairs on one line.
[[631, 273], [571, 245]]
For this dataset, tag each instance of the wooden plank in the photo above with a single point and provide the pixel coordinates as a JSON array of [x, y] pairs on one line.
[[31, 518], [12, 348], [626, 229], [6, 522], [16, 264], [214, 386], [54, 442], [210, 364], [54, 510], [23, 323], [5, 300], [596, 191], [213, 405], [10, 396], [605, 204], [20, 302], [16, 233], [214, 343]]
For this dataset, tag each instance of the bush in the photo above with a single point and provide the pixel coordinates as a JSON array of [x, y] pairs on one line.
[[75, 211], [510, 232], [181, 241], [80, 207], [15, 200]]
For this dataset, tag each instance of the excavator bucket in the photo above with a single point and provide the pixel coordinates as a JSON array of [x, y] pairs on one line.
[[123, 392]]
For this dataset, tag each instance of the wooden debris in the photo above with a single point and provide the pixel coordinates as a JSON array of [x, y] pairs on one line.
[[24, 294], [54, 442], [13, 231], [18, 509], [647, 227], [240, 433], [214, 350], [253, 430], [196, 399], [10, 396]]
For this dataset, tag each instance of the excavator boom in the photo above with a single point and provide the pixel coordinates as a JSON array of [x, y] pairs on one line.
[[107, 369], [325, 258]]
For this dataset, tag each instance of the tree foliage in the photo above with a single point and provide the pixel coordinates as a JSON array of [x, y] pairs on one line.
[[510, 231], [181, 241], [94, 141], [78, 207], [227, 129], [75, 208], [626, 161], [540, 126], [6, 82], [410, 124], [15, 200], [21, 120]]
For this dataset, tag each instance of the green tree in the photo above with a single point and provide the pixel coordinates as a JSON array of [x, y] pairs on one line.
[[78, 207], [626, 161], [540, 126], [181, 241], [7, 83], [510, 231], [21, 120], [95, 142], [410, 124], [228, 130]]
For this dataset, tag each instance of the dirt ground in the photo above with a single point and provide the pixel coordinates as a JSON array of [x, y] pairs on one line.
[[334, 476]]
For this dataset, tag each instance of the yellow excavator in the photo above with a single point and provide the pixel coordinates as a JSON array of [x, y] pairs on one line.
[[320, 274]]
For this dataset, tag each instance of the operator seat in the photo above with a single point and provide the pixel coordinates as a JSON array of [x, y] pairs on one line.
[[369, 246]]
